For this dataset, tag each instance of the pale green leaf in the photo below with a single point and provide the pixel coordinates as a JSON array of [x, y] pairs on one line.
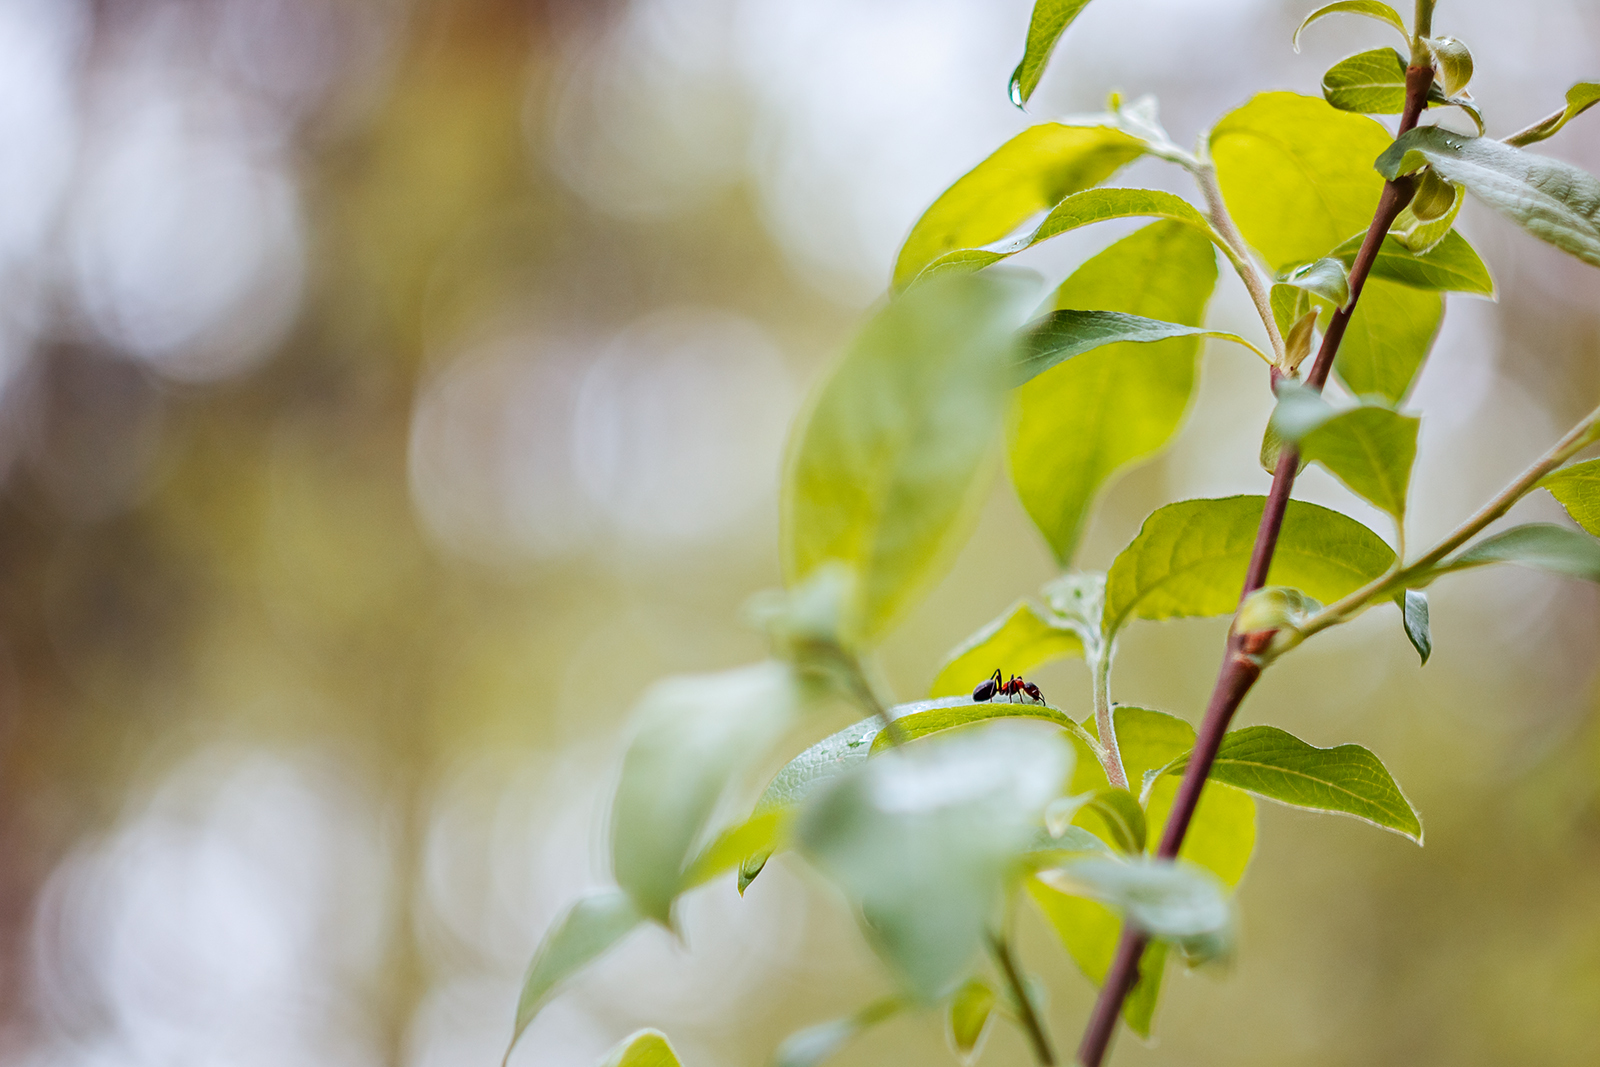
[[1551, 199], [1580, 98], [1079, 209], [1062, 335], [1032, 172], [1388, 339], [583, 932], [817, 1044], [1189, 558], [802, 776], [1050, 20], [1121, 817], [1345, 779], [1370, 8], [1413, 605], [1578, 489], [1449, 264], [1090, 931], [1420, 236], [1328, 278], [692, 734], [1179, 902], [1091, 417], [968, 1017], [646, 1048], [1370, 83], [1541, 545], [1294, 174], [1273, 607], [1369, 448], [887, 469], [923, 717], [924, 838], [1017, 642], [1453, 60]]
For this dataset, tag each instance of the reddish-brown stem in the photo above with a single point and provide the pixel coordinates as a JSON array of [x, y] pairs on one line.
[[1240, 665]]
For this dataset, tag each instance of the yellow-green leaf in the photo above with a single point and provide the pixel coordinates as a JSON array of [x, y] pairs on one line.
[[887, 469], [1050, 20], [1370, 448], [1032, 172], [1388, 338], [968, 1017], [647, 1048], [1294, 172], [1016, 643], [1578, 489], [1580, 98], [1085, 420], [583, 932], [1450, 263], [1369, 83], [1189, 558], [1372, 9]]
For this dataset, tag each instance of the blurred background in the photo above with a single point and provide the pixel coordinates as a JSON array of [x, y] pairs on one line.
[[391, 389]]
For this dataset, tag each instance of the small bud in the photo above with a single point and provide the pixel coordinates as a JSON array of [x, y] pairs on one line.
[[1434, 197], [1453, 63]]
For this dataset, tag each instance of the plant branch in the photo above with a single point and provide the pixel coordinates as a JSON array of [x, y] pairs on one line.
[[1585, 433], [1104, 724], [1238, 253], [1037, 1035], [1241, 662]]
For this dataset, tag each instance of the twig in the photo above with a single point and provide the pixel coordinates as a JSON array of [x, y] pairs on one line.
[[1238, 253], [1104, 725], [1241, 665], [1031, 1023]]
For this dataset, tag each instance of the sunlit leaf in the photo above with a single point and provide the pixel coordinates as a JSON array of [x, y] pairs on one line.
[[1062, 335], [757, 835], [1032, 172], [1179, 902], [799, 778], [1541, 545], [924, 717], [1189, 558], [1578, 489], [1372, 9], [1551, 199], [1370, 83], [1088, 418], [817, 1044], [1450, 264], [1388, 339], [583, 932], [968, 1017], [888, 468], [1370, 448], [1120, 816], [1090, 932], [647, 1048], [1413, 605], [924, 837], [1328, 278], [1420, 236], [1453, 61], [1017, 642], [1272, 607], [1050, 20], [1580, 98], [1079, 209], [1293, 171], [1345, 779], [692, 734]]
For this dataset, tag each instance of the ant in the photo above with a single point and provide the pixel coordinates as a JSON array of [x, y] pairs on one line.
[[992, 687]]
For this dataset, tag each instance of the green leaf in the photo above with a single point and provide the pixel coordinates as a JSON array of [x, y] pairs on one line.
[[647, 1048], [1541, 545], [1273, 607], [1328, 278], [1018, 641], [1413, 605], [1553, 200], [1450, 263], [924, 717], [1181, 903], [1580, 98], [1454, 62], [1418, 235], [692, 734], [1189, 558], [1369, 448], [816, 1044], [1578, 489], [1370, 8], [887, 469], [583, 932], [1063, 334], [1121, 816], [1388, 339], [802, 776], [924, 838], [1346, 779], [1090, 931], [1087, 419], [968, 1017], [1032, 172], [1292, 170], [1050, 20], [757, 835], [1079, 209], [1369, 83]]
